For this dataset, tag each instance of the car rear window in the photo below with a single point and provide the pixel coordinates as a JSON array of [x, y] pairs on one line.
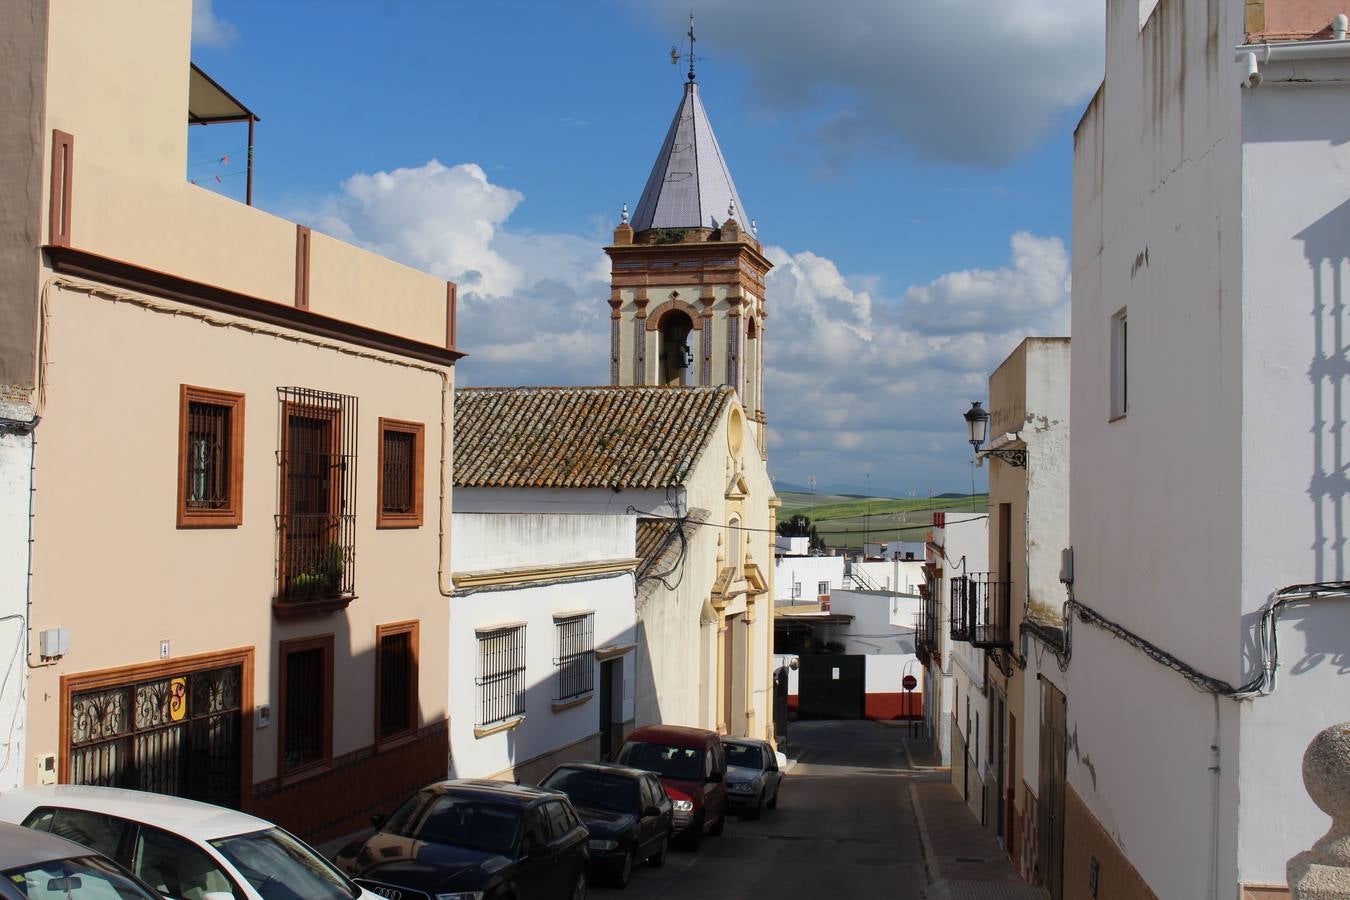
[[600, 790], [461, 822], [666, 760], [744, 755]]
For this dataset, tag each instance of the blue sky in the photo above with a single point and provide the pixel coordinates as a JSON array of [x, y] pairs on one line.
[[910, 174]]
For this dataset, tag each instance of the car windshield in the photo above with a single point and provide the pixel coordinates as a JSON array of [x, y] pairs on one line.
[[616, 793], [79, 878], [280, 867], [679, 763], [443, 819], [747, 756]]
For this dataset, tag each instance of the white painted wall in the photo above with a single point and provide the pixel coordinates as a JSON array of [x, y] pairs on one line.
[[960, 680], [543, 730], [903, 576], [871, 630], [499, 541], [15, 466], [1159, 498], [487, 541], [807, 572], [1296, 201]]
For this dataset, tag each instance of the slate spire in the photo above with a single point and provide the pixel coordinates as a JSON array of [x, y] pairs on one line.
[[690, 185]]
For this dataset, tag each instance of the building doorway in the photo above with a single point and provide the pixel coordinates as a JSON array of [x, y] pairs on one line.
[[611, 707], [173, 729], [1050, 812]]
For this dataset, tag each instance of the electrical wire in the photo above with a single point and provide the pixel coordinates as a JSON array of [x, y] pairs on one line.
[[1267, 639], [654, 515]]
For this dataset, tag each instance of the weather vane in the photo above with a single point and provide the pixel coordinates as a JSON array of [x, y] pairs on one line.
[[676, 55]]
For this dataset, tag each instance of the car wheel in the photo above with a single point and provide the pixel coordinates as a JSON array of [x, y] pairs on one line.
[[658, 859], [625, 872], [757, 810], [579, 887], [721, 824]]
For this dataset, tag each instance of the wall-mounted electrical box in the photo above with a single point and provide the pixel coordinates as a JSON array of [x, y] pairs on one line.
[[1066, 565], [53, 643]]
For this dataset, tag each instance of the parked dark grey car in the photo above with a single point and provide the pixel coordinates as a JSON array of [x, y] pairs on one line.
[[627, 812], [485, 840]]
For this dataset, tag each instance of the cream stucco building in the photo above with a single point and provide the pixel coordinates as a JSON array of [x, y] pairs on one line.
[[241, 516]]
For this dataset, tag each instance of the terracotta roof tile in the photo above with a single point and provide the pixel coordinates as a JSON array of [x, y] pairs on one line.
[[582, 437]]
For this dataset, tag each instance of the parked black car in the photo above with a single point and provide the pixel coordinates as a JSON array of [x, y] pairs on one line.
[[474, 839], [627, 812]]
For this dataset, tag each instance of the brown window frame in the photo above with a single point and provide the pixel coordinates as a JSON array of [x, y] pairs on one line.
[[231, 515], [413, 518], [413, 629], [323, 642]]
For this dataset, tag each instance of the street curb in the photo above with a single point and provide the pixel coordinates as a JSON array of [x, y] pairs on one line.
[[930, 863]]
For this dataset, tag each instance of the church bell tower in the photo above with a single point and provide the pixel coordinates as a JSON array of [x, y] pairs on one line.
[[687, 285]]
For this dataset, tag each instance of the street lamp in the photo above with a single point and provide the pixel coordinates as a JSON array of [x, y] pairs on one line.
[[977, 420]]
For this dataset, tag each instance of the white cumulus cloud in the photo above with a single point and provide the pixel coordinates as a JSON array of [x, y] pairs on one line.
[[968, 81], [857, 378], [208, 30]]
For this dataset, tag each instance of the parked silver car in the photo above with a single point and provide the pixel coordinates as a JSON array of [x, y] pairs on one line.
[[754, 777], [37, 865]]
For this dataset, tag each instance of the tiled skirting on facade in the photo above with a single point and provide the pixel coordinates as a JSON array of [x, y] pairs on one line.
[[341, 800], [1026, 844], [530, 771], [1084, 840], [1265, 892]]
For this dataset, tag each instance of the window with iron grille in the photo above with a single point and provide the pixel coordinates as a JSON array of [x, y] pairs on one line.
[[576, 655], [210, 457], [822, 588], [501, 674], [400, 501], [306, 702], [316, 525], [396, 679]]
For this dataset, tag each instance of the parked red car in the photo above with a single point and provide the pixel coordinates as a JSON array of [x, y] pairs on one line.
[[692, 766]]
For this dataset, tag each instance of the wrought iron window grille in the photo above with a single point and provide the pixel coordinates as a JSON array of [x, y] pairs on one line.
[[501, 674], [316, 523], [576, 656]]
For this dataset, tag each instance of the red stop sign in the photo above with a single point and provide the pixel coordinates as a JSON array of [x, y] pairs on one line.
[[909, 682]]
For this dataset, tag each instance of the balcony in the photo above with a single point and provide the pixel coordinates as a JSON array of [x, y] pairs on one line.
[[316, 524], [981, 611]]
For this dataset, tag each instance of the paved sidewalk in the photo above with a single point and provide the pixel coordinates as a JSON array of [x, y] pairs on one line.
[[963, 859]]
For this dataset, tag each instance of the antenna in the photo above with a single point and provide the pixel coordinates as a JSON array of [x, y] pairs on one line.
[[676, 55]]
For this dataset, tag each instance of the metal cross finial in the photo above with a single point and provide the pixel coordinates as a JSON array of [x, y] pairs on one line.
[[676, 55], [691, 45], [623, 215]]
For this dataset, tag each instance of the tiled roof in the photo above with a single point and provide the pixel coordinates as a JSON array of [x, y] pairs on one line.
[[652, 535], [582, 437]]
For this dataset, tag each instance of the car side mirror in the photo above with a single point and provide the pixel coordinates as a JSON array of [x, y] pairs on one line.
[[535, 848], [713, 778], [377, 820], [652, 811]]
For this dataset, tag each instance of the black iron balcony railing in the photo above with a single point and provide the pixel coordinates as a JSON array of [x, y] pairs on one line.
[[316, 524], [982, 611]]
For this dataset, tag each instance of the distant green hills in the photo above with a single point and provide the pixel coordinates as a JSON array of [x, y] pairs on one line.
[[845, 520]]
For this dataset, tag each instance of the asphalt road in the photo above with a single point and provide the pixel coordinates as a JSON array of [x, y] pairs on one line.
[[844, 828]]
